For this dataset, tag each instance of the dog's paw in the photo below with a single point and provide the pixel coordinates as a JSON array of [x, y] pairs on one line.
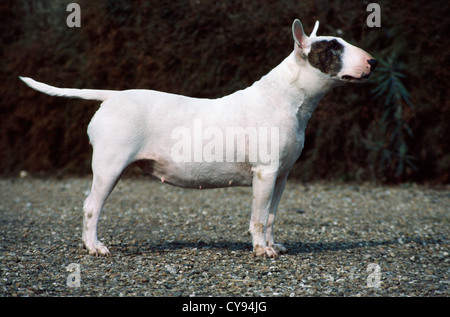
[[98, 249], [261, 251], [269, 251], [279, 248]]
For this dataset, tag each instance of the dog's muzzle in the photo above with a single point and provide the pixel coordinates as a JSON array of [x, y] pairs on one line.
[[373, 64]]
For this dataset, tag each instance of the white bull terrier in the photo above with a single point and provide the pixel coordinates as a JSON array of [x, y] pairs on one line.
[[155, 130]]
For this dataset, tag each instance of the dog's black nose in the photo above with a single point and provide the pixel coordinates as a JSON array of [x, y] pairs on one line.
[[373, 64]]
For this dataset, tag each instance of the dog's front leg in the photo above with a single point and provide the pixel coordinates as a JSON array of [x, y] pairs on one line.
[[276, 197], [263, 190]]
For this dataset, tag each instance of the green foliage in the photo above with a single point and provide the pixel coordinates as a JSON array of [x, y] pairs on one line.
[[391, 149], [389, 84]]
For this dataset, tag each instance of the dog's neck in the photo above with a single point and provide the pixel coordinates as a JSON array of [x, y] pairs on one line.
[[301, 85]]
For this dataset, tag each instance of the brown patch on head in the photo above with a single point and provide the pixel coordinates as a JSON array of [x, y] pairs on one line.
[[326, 56]]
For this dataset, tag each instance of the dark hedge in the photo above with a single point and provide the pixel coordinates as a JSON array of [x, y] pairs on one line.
[[212, 48]]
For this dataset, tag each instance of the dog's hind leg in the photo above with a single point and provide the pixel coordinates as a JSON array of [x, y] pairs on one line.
[[106, 173]]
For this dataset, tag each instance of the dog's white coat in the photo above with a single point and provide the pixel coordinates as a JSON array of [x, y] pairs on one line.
[[136, 125]]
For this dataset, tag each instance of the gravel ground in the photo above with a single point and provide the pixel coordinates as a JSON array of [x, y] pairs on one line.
[[343, 240]]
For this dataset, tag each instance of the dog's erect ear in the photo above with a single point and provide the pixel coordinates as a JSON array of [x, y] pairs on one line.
[[299, 35], [300, 38], [314, 32]]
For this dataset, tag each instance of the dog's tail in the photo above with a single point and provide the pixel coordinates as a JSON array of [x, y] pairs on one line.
[[90, 94]]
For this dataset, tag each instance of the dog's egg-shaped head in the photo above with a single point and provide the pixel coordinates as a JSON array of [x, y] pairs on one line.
[[332, 56]]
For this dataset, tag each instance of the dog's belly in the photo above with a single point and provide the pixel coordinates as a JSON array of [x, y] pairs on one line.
[[199, 175]]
